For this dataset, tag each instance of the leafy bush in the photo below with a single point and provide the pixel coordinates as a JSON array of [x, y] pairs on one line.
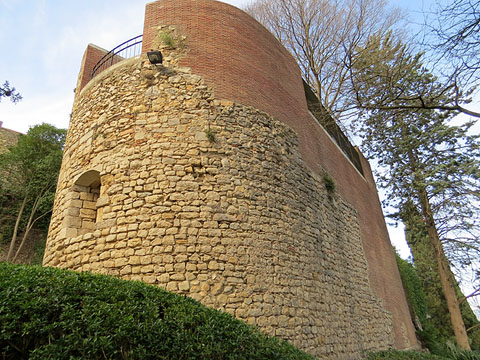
[[451, 353], [456, 354], [403, 355], [48, 313]]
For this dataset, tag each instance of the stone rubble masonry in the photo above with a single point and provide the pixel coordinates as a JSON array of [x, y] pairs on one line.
[[239, 224], [210, 184], [7, 138], [242, 62]]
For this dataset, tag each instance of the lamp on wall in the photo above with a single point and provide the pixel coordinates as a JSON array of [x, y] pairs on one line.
[[155, 57]]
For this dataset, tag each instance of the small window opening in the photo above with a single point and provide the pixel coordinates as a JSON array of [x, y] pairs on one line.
[[82, 213]]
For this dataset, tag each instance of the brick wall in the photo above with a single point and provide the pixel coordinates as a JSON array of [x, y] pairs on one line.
[[91, 57], [238, 58]]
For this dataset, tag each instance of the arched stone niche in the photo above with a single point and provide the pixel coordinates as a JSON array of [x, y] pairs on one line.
[[83, 211]]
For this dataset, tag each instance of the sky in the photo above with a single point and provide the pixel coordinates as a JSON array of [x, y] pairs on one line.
[[42, 44]]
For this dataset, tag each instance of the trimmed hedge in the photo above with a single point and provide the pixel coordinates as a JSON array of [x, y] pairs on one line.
[[48, 313]]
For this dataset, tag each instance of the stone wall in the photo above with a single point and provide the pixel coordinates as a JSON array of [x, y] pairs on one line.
[[212, 199], [7, 138], [242, 62], [244, 222]]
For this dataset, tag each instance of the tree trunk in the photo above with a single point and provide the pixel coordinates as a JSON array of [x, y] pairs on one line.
[[28, 227], [15, 230], [444, 273]]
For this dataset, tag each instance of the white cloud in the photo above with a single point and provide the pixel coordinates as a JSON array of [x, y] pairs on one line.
[[37, 110]]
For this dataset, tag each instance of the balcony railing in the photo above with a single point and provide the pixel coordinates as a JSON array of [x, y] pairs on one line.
[[330, 125], [125, 50]]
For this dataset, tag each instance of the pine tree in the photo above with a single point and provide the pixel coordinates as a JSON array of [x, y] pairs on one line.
[[423, 158]]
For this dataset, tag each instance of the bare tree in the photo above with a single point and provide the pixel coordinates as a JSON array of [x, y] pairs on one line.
[[385, 76], [456, 30], [322, 35]]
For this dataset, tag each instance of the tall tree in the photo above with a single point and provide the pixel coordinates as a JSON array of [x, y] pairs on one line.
[[322, 35], [426, 269], [31, 168], [423, 158]]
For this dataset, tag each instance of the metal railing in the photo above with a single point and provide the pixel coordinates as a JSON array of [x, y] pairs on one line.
[[331, 126], [125, 50]]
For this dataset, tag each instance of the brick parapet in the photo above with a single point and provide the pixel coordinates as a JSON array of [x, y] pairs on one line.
[[91, 57]]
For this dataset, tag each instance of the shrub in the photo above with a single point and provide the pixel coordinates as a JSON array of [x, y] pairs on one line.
[[403, 355], [457, 354], [48, 313], [329, 183], [451, 353]]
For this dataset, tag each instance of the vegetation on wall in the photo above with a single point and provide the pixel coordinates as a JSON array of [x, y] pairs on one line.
[[48, 313], [433, 329], [328, 182]]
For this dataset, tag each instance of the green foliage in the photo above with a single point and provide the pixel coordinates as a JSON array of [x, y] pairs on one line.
[[437, 331], [448, 354], [403, 355], [48, 313], [427, 332], [328, 182], [455, 354], [413, 288], [32, 166], [167, 39], [210, 135]]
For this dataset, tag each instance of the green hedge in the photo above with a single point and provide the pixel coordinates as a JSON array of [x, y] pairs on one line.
[[403, 355], [450, 354], [48, 313]]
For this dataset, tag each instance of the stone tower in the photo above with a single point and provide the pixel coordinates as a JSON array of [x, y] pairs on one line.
[[211, 176]]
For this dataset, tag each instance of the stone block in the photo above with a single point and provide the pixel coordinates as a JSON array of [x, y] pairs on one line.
[[72, 222], [88, 213], [89, 205], [103, 201], [67, 233]]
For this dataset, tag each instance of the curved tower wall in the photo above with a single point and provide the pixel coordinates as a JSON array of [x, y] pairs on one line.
[[240, 221], [242, 62]]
